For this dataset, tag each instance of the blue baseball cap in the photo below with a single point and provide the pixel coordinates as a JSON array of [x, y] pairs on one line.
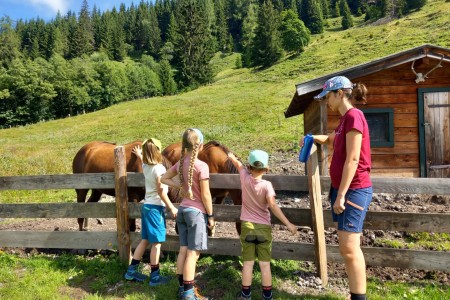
[[258, 156], [333, 84]]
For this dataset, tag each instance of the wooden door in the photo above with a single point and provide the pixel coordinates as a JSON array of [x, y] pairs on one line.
[[437, 134]]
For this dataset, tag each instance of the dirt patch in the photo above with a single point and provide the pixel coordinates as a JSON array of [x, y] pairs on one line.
[[286, 163]]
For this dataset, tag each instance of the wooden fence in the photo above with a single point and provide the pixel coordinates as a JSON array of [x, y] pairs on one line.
[[316, 217]]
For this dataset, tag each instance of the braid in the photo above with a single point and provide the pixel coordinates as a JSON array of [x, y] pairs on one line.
[[180, 167], [191, 170]]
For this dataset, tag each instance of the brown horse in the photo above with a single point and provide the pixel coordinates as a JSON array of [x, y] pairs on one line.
[[216, 156], [98, 157]]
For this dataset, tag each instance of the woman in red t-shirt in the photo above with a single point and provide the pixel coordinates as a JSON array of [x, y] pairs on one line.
[[351, 187]]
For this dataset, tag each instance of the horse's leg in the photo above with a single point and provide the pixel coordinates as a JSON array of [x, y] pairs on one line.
[[95, 197], [236, 195], [133, 198], [81, 197]]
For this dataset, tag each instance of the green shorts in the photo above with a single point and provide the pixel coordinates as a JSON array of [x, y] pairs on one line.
[[256, 241]]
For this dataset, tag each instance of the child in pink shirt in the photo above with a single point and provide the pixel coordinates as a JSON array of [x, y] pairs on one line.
[[258, 196]]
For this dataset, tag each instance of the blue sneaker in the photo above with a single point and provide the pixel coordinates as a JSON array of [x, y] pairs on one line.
[[134, 275], [157, 279], [180, 292], [193, 294]]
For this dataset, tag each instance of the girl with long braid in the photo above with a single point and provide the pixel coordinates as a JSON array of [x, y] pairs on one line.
[[195, 213]]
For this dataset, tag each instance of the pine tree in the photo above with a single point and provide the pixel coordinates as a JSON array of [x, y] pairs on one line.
[[267, 44], [221, 27], [334, 6], [193, 47], [83, 38], [248, 34], [9, 42], [154, 42], [311, 15], [347, 19], [169, 87]]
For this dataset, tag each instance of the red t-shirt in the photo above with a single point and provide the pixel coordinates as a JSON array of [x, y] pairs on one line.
[[353, 119]]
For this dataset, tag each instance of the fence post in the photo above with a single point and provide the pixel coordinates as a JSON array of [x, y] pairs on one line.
[[120, 182], [315, 196]]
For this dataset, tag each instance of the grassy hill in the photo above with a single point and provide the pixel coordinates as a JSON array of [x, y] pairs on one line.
[[242, 109]]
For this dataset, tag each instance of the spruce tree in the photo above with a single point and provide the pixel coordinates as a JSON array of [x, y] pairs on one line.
[[83, 38], [267, 43], [347, 19], [194, 44], [311, 15], [248, 34], [169, 87]]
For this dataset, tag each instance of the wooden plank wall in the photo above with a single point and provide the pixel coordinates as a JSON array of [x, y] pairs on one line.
[[396, 88]]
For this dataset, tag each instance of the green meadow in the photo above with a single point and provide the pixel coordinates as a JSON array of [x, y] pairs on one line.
[[243, 109]]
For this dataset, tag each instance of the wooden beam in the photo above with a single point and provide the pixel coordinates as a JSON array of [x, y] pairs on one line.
[[383, 257], [375, 220], [394, 185], [315, 200], [123, 229]]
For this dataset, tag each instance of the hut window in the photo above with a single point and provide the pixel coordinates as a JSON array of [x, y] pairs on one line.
[[381, 126]]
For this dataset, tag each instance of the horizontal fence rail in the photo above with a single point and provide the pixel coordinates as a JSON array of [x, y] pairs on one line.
[[390, 185], [375, 220]]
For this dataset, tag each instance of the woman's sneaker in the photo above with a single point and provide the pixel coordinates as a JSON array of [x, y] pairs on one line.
[[134, 275], [157, 279]]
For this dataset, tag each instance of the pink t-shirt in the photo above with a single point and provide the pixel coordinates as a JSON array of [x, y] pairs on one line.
[[353, 119], [255, 192], [201, 172]]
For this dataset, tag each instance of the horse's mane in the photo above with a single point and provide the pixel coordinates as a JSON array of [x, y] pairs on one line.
[[225, 149]]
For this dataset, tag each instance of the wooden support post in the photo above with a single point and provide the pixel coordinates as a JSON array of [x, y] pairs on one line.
[[121, 188], [315, 197]]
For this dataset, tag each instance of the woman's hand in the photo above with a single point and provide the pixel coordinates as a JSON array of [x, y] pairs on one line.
[[339, 206]]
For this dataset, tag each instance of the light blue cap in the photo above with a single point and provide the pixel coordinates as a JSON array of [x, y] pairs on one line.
[[199, 134], [334, 84], [258, 156]]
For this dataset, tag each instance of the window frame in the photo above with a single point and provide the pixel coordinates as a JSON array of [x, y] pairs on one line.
[[390, 134]]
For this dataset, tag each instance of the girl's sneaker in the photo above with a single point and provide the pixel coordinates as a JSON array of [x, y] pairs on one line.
[[157, 279], [241, 296], [134, 275], [193, 294]]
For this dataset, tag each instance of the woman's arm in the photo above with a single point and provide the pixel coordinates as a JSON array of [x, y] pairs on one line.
[[324, 139], [353, 141]]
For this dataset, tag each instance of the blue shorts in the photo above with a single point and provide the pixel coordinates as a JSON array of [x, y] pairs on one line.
[[356, 203], [153, 223], [192, 228]]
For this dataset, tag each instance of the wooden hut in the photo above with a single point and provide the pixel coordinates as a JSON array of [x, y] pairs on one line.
[[408, 112]]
